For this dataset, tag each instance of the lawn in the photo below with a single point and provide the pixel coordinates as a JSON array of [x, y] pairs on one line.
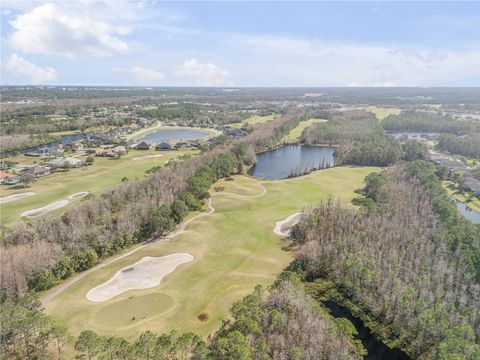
[[104, 174], [234, 249], [382, 112], [255, 119], [472, 202], [296, 134]]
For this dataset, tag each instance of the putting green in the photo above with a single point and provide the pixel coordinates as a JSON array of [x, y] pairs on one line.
[[234, 249]]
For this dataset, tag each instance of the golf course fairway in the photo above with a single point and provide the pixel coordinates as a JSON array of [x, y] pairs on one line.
[[234, 248]]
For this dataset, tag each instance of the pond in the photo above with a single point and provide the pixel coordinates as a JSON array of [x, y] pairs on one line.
[[412, 135], [174, 134], [470, 214], [377, 350], [292, 159]]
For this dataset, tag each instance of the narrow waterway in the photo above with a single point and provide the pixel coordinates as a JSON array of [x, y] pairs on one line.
[[377, 350]]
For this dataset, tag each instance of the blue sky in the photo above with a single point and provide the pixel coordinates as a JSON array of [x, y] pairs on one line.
[[155, 43]]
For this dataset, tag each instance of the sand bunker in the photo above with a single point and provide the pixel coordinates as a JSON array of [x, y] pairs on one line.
[[14, 197], [147, 157], [78, 195], [45, 209], [144, 274], [284, 227]]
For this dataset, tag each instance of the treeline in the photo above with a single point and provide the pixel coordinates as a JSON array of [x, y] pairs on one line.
[[36, 255], [191, 114], [283, 323], [468, 145], [396, 259], [358, 137], [425, 121]]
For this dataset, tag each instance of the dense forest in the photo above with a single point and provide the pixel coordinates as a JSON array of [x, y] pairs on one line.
[[426, 122], [401, 260], [358, 137], [468, 145], [280, 323], [190, 114]]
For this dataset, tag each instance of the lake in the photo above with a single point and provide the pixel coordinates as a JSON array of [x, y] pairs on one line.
[[282, 162], [174, 134], [470, 214]]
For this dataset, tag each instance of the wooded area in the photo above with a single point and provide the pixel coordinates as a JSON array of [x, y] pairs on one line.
[[401, 260]]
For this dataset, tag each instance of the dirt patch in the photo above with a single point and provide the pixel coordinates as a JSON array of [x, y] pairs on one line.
[[144, 274], [203, 317], [284, 227], [13, 197], [43, 210]]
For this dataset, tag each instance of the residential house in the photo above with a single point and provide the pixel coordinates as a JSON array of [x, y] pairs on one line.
[[163, 146], [142, 146], [9, 179], [37, 171], [65, 163], [113, 152]]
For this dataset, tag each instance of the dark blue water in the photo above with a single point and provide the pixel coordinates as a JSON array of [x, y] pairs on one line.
[[174, 134], [377, 350], [281, 162], [470, 214]]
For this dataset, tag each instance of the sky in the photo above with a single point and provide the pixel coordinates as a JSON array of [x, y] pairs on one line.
[[240, 44]]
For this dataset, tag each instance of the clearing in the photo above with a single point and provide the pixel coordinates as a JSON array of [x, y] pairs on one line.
[[255, 119], [382, 112], [234, 249], [295, 135]]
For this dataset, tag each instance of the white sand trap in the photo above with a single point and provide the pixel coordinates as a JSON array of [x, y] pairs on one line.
[[43, 210], [78, 195], [14, 197], [144, 274], [284, 227], [146, 157]]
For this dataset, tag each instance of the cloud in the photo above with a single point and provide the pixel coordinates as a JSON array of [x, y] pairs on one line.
[[142, 75], [206, 74], [52, 30], [37, 74], [294, 61]]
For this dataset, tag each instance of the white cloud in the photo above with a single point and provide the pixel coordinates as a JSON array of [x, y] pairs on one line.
[[51, 29], [293, 61], [206, 74], [37, 74], [142, 75]]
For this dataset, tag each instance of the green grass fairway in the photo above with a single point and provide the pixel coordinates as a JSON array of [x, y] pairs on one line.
[[296, 134], [381, 112], [472, 202], [234, 249], [104, 174], [255, 119]]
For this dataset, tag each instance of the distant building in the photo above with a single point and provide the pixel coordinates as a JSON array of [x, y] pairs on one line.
[[163, 146], [9, 179], [37, 171], [142, 146], [113, 152], [68, 162]]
